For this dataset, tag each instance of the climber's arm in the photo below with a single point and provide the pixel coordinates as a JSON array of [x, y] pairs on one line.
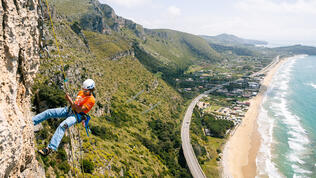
[[75, 107]]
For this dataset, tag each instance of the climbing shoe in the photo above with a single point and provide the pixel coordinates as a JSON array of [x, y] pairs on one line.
[[45, 151]]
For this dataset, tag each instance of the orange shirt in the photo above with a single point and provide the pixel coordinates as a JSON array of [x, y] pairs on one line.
[[87, 101]]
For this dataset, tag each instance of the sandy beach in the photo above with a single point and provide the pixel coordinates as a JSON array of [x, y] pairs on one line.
[[239, 158]]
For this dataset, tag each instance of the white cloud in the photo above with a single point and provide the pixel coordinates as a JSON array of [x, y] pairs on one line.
[[126, 3], [174, 11], [298, 6], [272, 20]]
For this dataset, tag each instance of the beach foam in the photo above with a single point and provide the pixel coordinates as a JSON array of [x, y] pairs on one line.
[[275, 108], [265, 165], [311, 84], [264, 159]]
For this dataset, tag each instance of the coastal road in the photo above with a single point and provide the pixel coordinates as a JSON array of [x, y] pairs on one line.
[[188, 152]]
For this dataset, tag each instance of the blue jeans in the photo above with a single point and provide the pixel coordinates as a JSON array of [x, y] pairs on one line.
[[60, 131]]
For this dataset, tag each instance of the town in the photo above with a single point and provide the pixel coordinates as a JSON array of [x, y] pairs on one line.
[[228, 99]]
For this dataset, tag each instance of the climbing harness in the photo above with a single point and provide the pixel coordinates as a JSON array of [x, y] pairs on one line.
[[83, 116]]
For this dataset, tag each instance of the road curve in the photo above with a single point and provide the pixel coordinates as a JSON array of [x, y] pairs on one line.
[[188, 152]]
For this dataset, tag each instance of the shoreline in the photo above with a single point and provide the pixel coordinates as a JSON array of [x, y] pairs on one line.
[[240, 151]]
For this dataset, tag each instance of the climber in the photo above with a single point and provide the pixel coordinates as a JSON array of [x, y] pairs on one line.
[[76, 113]]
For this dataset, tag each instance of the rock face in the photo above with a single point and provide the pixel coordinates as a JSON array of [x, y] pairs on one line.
[[104, 20], [19, 61]]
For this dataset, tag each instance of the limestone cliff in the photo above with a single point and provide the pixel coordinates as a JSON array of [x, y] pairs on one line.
[[19, 41], [104, 20]]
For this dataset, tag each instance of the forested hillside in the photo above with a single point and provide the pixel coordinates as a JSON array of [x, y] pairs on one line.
[[136, 119]]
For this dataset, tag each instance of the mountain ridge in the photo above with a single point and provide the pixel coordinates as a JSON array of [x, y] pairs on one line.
[[232, 39], [297, 49]]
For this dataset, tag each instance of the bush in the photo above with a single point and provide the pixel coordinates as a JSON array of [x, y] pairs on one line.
[[218, 151], [51, 94], [217, 128], [65, 140], [64, 166], [199, 150], [52, 163], [62, 154], [88, 166], [43, 134], [116, 169], [103, 132]]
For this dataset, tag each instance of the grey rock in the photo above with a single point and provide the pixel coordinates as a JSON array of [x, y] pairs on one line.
[[19, 46]]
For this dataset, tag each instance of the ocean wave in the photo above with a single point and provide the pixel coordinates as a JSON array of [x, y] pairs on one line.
[[265, 165], [264, 158], [297, 136], [275, 102], [300, 171], [311, 84], [281, 81]]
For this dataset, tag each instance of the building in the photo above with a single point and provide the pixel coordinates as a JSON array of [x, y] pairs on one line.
[[253, 85], [207, 132], [189, 80], [202, 105]]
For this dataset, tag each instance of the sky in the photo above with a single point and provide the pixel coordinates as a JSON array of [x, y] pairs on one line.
[[280, 22]]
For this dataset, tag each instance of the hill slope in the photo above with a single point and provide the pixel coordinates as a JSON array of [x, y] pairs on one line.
[[297, 49], [173, 51], [136, 121]]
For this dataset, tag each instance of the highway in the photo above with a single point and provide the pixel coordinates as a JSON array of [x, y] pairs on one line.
[[188, 152]]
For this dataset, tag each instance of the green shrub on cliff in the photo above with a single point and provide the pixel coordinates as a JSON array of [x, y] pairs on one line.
[[88, 166], [51, 94]]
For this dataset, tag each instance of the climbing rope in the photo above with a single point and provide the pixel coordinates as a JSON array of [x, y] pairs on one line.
[[56, 41], [65, 89]]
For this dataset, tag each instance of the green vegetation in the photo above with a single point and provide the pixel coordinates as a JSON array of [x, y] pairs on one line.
[[136, 121], [178, 46], [239, 51], [124, 138], [88, 166], [208, 148], [296, 49], [172, 52], [169, 72], [106, 45], [52, 95], [217, 128], [72, 7]]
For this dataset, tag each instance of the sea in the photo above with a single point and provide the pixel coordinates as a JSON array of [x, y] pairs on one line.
[[287, 122]]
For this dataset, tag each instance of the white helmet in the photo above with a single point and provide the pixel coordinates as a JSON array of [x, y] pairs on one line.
[[88, 84]]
